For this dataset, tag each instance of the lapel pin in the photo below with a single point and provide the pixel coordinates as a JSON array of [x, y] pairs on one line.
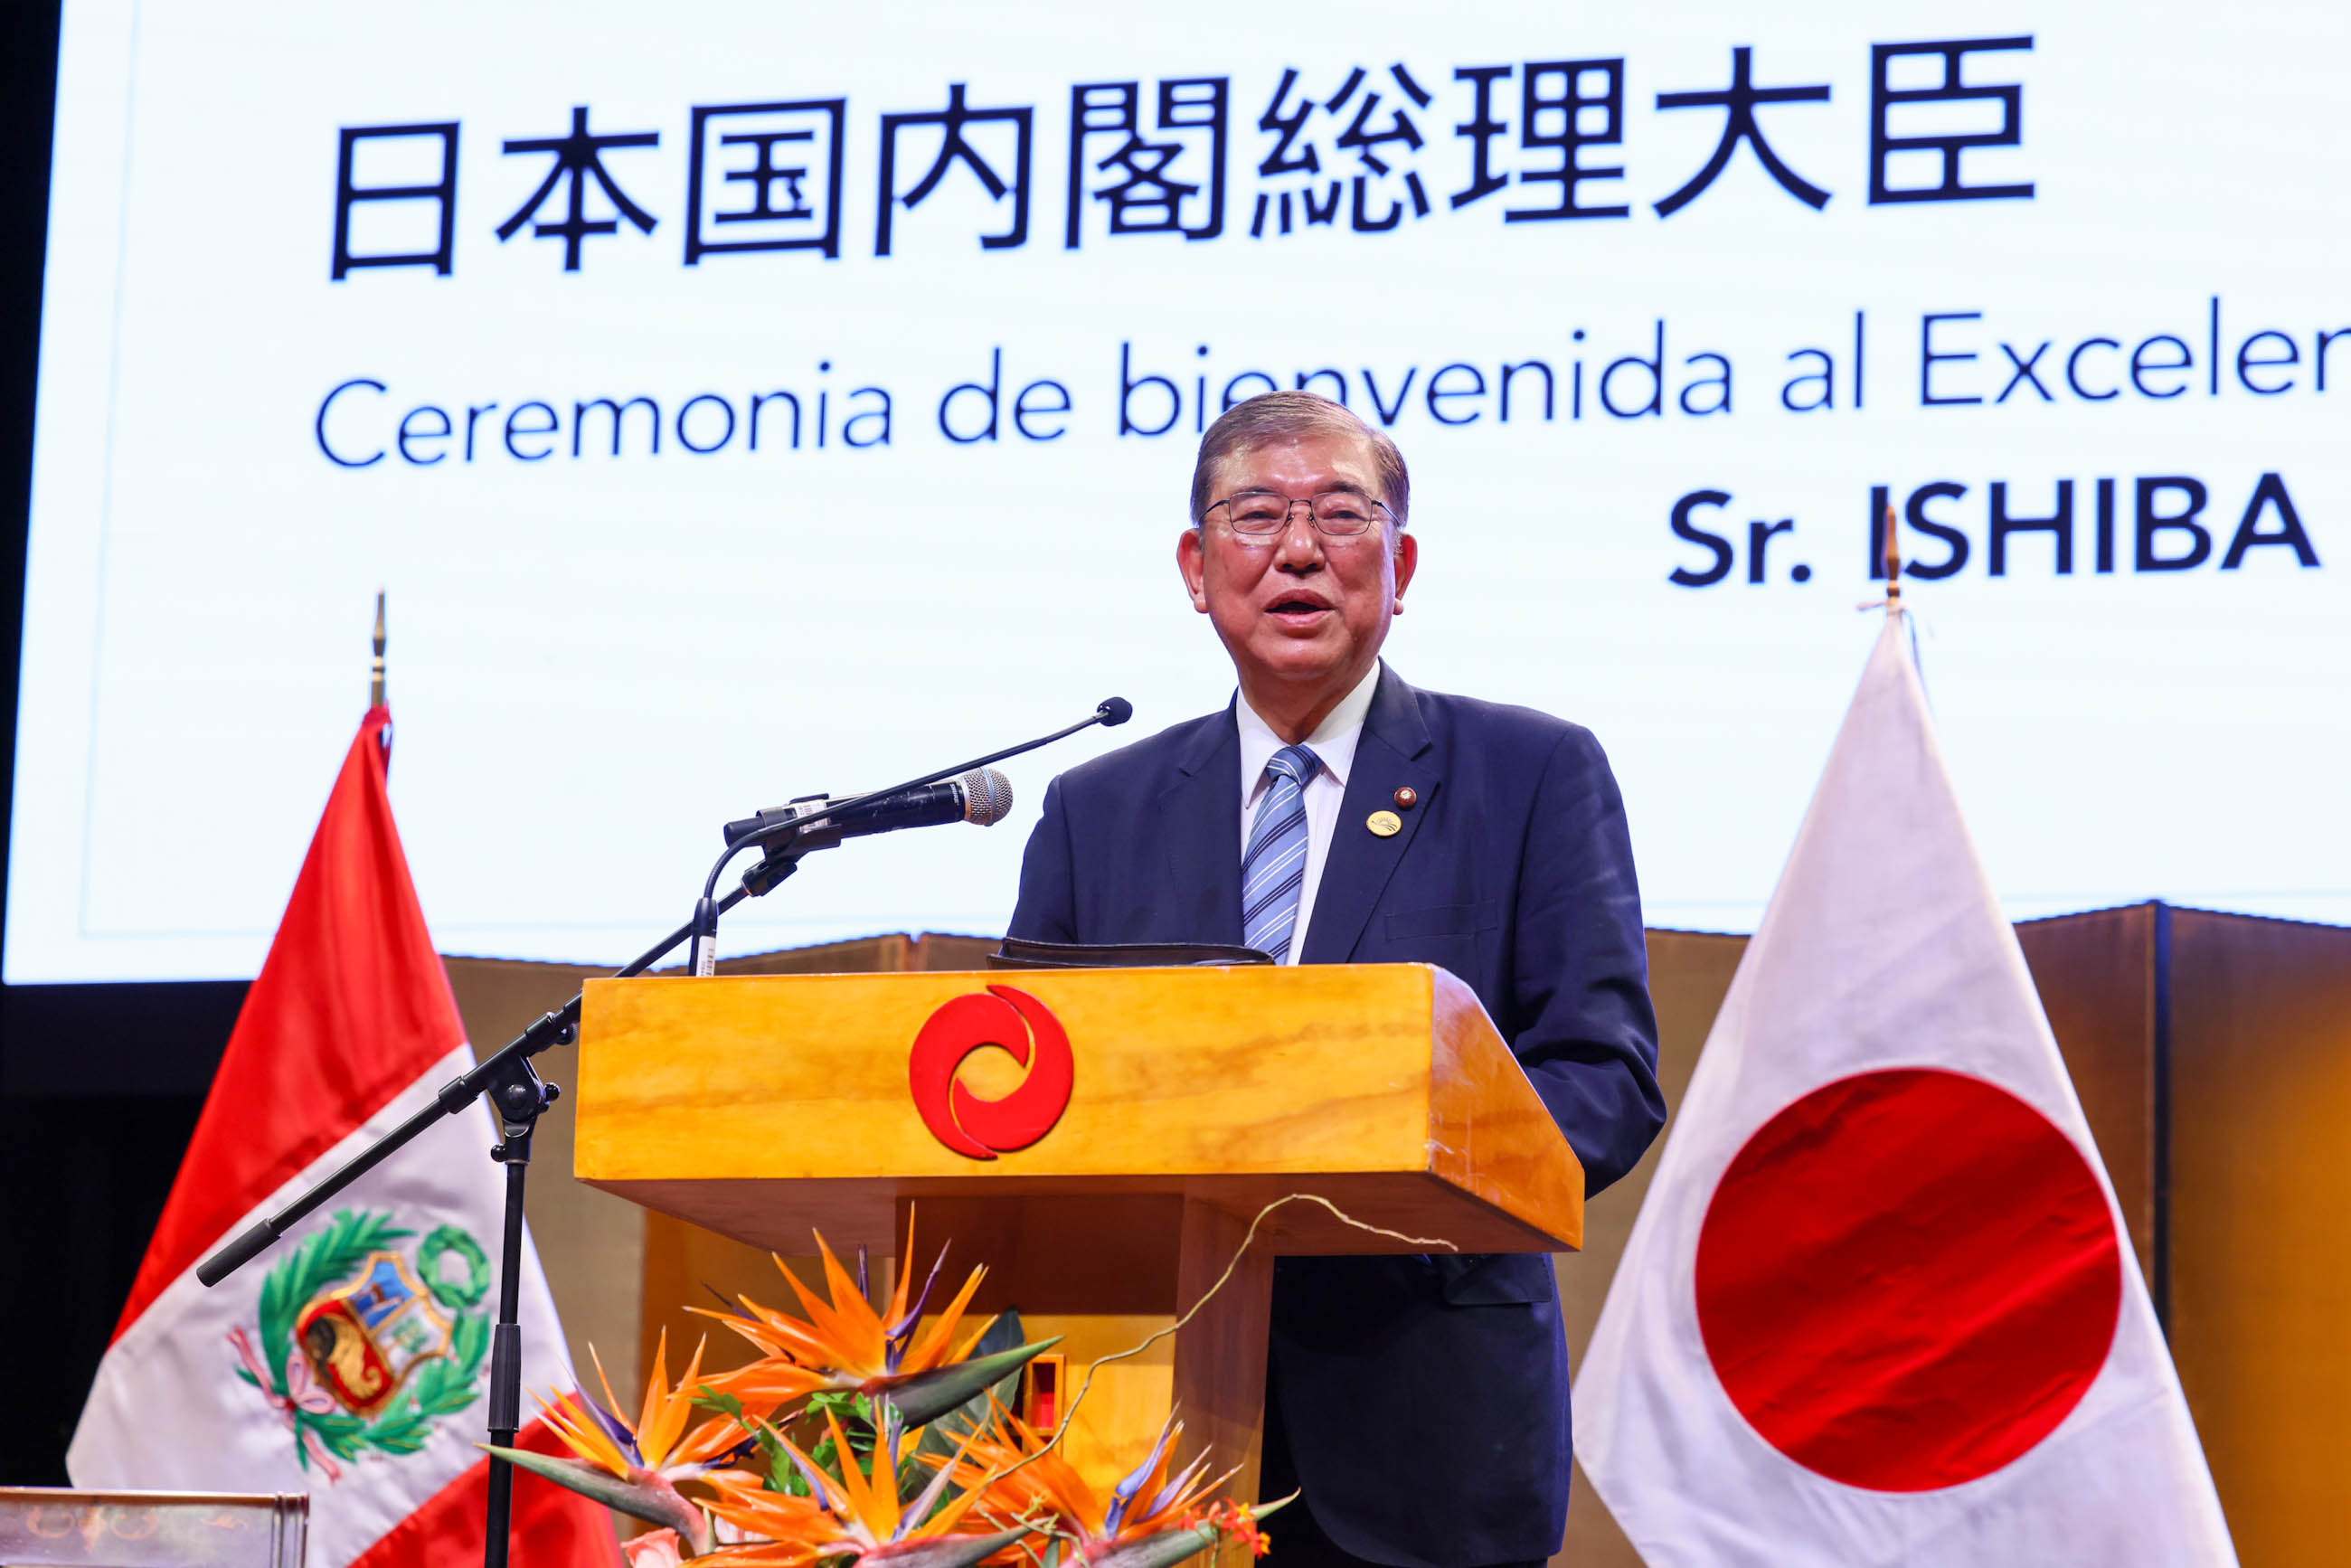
[[1386, 824], [1406, 798]]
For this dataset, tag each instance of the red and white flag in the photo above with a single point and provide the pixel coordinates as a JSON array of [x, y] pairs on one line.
[[1878, 1307], [352, 1360]]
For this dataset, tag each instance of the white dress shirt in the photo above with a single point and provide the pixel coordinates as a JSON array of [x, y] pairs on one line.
[[1333, 741]]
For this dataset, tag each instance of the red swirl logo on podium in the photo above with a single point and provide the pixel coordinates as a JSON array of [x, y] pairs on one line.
[[1013, 1022]]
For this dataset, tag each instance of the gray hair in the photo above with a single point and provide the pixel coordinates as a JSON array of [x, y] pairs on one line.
[[1276, 416]]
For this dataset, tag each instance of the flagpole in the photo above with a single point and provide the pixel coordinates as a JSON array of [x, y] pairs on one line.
[[1893, 566], [514, 1153], [375, 668], [376, 682]]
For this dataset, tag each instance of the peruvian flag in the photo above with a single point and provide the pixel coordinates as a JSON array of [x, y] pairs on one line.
[[351, 1361], [1878, 1308]]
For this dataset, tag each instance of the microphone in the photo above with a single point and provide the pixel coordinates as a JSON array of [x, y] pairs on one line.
[[982, 796], [821, 822]]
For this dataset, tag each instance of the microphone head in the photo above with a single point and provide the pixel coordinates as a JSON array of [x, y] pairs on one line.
[[987, 796], [1114, 712]]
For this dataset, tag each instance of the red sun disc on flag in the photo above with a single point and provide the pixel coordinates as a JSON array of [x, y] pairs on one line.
[[1908, 1279]]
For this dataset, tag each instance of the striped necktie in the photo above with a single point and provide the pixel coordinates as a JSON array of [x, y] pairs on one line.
[[1273, 870]]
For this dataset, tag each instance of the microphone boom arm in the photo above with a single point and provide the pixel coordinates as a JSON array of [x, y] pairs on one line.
[[508, 1070], [1111, 711]]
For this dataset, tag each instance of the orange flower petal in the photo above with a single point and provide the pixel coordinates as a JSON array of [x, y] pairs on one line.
[[609, 1403], [905, 1269], [925, 1352], [583, 1434], [656, 1383], [666, 1412]]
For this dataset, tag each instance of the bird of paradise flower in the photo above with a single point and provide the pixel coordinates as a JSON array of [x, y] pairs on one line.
[[859, 1516], [842, 1343], [635, 1469], [1150, 1520]]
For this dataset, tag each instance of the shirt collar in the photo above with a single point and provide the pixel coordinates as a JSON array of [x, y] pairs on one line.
[[1333, 739]]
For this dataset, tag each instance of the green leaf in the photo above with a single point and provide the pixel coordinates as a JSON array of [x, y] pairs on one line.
[[469, 1341], [710, 1398], [854, 1413], [852, 1409], [1161, 1550], [657, 1503], [1170, 1547], [403, 1430], [444, 1384], [442, 1391], [453, 1295], [924, 1398], [955, 1551], [782, 1475], [945, 1433], [343, 1434]]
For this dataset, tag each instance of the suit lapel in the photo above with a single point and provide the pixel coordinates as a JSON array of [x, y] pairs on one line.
[[1391, 755], [1200, 822]]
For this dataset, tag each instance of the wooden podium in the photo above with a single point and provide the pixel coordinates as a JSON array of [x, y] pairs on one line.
[[1174, 1105]]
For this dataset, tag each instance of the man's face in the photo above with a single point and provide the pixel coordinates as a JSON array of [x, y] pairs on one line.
[[1301, 610]]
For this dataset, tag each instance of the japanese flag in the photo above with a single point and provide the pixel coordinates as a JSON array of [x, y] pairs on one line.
[[1878, 1307]]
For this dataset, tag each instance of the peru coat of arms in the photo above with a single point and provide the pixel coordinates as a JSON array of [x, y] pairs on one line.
[[361, 1344]]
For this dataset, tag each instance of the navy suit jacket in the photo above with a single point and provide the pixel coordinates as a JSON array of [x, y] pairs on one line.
[[1425, 1399]]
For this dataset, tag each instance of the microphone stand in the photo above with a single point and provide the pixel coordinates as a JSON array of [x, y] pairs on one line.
[[518, 1095]]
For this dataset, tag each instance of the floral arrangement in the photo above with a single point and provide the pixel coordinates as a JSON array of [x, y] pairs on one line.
[[855, 1437]]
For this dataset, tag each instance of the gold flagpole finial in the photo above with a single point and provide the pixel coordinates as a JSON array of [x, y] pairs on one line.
[[375, 670], [1893, 566]]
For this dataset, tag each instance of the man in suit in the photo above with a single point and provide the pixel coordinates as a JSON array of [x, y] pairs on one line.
[[1334, 814]]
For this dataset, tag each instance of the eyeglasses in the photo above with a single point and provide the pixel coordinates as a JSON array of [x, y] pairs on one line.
[[1262, 516]]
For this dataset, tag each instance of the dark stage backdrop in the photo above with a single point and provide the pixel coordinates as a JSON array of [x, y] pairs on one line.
[[69, 1227]]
